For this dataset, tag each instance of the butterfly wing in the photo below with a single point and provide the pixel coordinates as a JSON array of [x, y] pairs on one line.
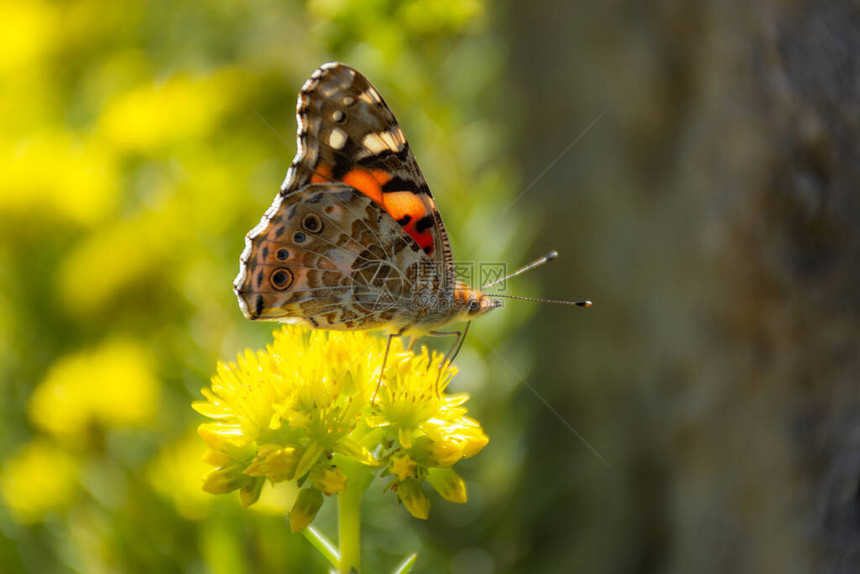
[[347, 133], [329, 256]]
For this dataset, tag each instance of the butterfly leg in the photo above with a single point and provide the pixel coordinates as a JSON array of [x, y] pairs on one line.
[[453, 352], [384, 362]]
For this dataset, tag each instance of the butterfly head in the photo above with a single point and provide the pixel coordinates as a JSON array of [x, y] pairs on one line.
[[473, 303]]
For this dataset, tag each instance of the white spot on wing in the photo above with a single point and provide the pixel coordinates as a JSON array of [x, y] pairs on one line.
[[390, 141], [379, 142], [371, 96], [374, 143], [337, 138]]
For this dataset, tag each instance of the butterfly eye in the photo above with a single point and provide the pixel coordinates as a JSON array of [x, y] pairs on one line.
[[281, 279], [311, 222], [298, 237], [282, 254], [474, 305]]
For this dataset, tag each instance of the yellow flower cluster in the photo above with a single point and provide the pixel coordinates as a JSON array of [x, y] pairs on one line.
[[307, 410]]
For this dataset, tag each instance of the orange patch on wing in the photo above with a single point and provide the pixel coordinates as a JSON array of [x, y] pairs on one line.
[[364, 182], [381, 176], [322, 174], [400, 204]]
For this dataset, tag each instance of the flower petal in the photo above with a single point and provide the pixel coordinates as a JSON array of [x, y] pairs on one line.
[[352, 449]]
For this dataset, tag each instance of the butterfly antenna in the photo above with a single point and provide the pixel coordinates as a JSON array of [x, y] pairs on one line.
[[585, 303], [536, 263]]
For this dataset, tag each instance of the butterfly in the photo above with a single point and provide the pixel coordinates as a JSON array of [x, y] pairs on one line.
[[353, 240]]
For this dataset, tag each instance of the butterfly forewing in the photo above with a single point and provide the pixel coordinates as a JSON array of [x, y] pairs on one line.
[[347, 133]]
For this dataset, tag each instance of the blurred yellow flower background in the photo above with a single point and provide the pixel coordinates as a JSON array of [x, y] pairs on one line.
[[111, 387], [140, 142]]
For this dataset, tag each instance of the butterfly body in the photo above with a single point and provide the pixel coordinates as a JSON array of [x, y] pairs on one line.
[[353, 241]]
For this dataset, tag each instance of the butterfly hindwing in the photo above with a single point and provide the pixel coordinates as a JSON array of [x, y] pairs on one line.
[[331, 257]]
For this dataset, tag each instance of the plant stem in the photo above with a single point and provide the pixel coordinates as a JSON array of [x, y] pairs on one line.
[[321, 543], [349, 520]]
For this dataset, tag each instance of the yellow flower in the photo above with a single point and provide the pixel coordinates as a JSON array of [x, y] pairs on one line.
[[328, 479], [411, 398], [401, 466], [303, 411], [446, 442]]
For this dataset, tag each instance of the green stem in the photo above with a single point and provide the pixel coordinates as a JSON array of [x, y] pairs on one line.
[[321, 543], [349, 519]]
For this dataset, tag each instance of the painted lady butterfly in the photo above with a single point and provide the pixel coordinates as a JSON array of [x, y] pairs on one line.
[[353, 240]]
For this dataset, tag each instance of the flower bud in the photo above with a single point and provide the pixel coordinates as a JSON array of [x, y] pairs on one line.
[[413, 498], [305, 508], [275, 462], [446, 482], [225, 479], [432, 453], [250, 493]]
